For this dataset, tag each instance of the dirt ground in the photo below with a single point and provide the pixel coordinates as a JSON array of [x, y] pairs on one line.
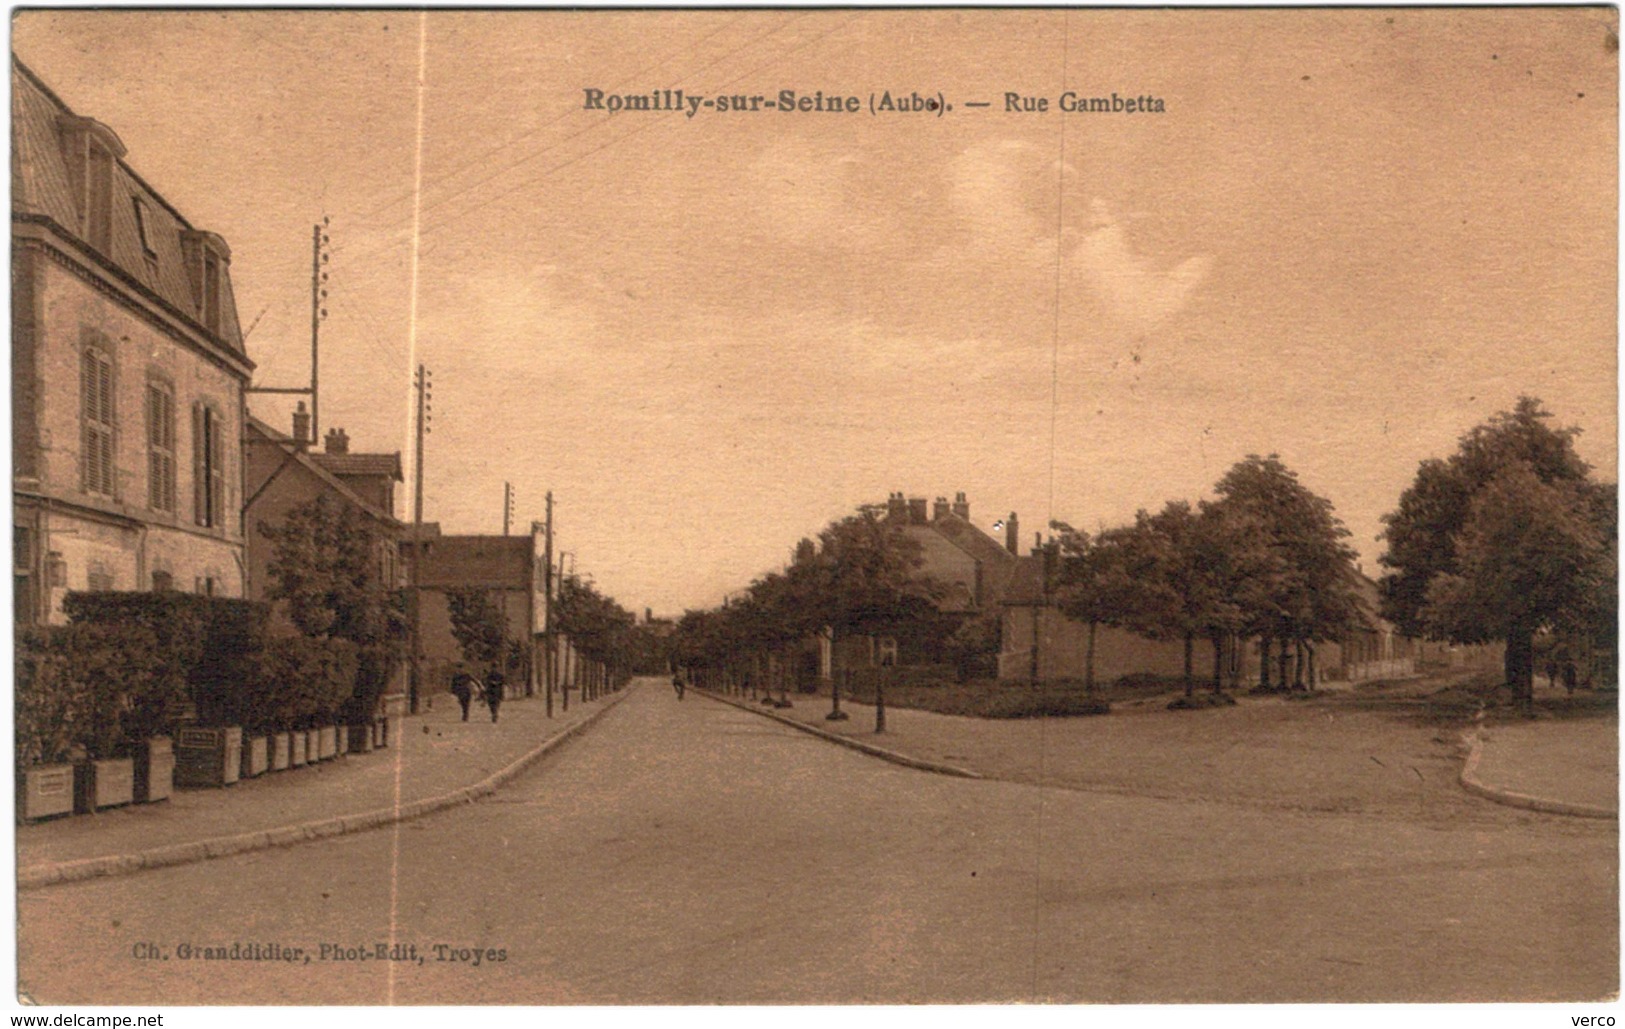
[[1388, 749]]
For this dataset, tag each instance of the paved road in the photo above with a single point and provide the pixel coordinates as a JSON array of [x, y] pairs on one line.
[[694, 853]]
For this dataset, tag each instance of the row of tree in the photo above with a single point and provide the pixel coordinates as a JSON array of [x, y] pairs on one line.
[[1267, 559], [1509, 539], [861, 578]]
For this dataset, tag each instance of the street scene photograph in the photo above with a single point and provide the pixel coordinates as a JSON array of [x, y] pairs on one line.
[[722, 509]]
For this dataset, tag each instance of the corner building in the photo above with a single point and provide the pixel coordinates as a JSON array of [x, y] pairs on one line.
[[128, 374]]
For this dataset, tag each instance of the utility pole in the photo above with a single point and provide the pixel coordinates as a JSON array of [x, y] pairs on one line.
[[507, 507], [547, 603], [414, 684], [318, 311], [317, 295]]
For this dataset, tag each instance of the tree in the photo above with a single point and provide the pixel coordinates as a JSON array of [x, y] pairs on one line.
[[1295, 575], [1505, 538], [478, 625], [1529, 557], [326, 566]]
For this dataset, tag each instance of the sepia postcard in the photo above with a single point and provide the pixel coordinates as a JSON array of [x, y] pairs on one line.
[[816, 506]]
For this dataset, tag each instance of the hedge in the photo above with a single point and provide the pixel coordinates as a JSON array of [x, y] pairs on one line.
[[92, 689], [302, 682], [208, 644]]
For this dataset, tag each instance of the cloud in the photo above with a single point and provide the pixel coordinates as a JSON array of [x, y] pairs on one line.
[[1133, 289]]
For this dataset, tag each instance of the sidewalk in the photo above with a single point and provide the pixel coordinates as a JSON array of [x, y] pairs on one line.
[[1567, 763], [434, 756]]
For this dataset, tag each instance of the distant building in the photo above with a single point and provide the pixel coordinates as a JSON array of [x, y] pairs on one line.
[[128, 373], [510, 568], [974, 568], [283, 474]]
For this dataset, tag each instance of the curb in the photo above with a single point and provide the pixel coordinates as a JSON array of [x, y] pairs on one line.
[[1472, 784], [868, 748], [50, 874]]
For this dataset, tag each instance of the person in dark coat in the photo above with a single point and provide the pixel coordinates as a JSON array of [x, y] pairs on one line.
[[494, 685], [678, 684], [462, 687]]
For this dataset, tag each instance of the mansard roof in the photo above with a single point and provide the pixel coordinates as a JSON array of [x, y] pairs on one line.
[[42, 190]]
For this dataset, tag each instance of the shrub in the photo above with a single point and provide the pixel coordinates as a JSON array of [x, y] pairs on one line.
[[207, 648], [303, 682], [48, 704], [376, 665], [89, 687]]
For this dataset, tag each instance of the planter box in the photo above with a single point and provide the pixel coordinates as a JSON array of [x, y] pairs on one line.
[[343, 745], [256, 756], [298, 753], [102, 784], [154, 770], [380, 733], [45, 791], [327, 739], [281, 751], [211, 756]]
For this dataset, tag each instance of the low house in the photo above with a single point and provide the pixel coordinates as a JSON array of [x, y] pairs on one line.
[[283, 474], [972, 567]]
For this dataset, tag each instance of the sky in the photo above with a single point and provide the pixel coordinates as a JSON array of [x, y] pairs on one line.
[[1350, 236]]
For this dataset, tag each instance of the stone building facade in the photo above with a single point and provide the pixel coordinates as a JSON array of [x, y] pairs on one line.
[[128, 374]]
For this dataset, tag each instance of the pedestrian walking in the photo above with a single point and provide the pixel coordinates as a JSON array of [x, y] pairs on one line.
[[677, 684], [494, 684], [462, 687]]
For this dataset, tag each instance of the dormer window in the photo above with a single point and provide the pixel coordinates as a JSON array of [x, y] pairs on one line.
[[206, 259], [92, 151], [142, 228]]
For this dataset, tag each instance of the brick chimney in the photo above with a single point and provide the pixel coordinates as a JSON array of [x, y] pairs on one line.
[[896, 507], [1012, 534], [301, 425], [961, 506], [337, 441], [939, 510], [916, 510]]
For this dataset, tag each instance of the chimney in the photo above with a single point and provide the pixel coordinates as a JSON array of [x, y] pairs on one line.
[[648, 615], [1012, 534], [961, 506], [916, 510], [896, 506], [337, 441], [939, 510], [301, 424]]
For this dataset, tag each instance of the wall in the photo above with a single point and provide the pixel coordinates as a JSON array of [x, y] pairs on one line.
[[122, 536], [1064, 644]]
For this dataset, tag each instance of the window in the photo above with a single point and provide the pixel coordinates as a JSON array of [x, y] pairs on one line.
[[160, 447], [97, 578], [96, 418], [162, 581], [24, 597], [141, 227], [99, 196], [209, 467], [211, 291]]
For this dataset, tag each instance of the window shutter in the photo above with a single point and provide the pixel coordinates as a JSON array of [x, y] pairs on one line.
[[155, 472], [217, 472], [200, 508], [90, 473]]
